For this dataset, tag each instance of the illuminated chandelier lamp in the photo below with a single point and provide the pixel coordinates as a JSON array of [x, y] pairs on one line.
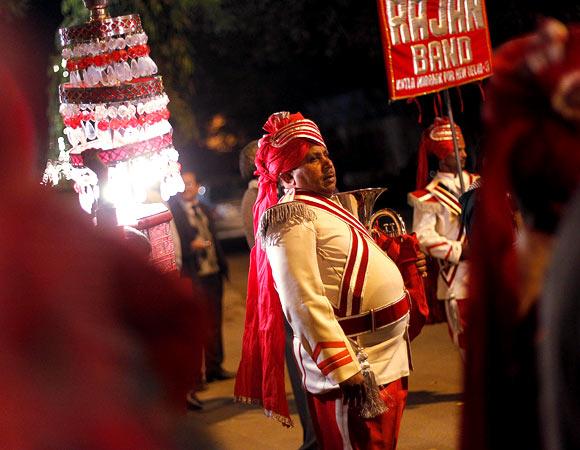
[[118, 147]]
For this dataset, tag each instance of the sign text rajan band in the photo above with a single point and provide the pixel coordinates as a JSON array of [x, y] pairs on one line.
[[431, 45]]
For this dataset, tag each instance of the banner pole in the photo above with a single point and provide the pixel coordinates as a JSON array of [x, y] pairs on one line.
[[455, 141]]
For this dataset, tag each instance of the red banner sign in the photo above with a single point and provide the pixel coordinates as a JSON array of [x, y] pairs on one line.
[[431, 45]]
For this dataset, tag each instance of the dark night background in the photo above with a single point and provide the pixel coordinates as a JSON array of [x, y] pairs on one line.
[[321, 58]]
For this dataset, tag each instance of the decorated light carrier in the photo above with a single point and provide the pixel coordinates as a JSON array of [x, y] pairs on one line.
[[119, 148]]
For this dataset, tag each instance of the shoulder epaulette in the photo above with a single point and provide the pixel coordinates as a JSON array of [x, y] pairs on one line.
[[424, 199], [292, 212], [446, 197], [474, 181]]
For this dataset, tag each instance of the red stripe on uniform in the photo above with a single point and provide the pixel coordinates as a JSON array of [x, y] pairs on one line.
[[446, 198], [333, 359], [448, 253], [302, 366], [453, 273], [322, 345], [330, 207], [436, 245], [343, 298], [344, 212], [334, 210], [340, 208], [360, 279], [336, 365]]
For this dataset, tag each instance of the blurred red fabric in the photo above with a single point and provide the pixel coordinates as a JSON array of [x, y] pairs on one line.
[[98, 348]]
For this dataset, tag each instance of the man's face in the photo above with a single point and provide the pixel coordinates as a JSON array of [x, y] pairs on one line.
[[191, 187], [316, 173], [449, 163]]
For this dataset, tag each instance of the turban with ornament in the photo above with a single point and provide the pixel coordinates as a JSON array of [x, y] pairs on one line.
[[436, 140], [282, 149]]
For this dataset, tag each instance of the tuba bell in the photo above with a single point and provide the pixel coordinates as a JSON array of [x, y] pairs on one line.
[[360, 203]]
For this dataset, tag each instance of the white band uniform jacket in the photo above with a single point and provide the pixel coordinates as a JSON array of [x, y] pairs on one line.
[[437, 223], [320, 265]]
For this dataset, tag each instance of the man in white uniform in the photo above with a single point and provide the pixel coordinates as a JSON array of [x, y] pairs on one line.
[[437, 221], [338, 290]]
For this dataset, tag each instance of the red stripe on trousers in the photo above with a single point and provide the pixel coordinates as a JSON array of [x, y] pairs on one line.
[[380, 433]]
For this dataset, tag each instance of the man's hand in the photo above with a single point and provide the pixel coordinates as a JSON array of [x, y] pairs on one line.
[[199, 244], [421, 263], [354, 393]]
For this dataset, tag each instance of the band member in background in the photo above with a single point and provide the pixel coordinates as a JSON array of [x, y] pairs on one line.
[[437, 221], [316, 264]]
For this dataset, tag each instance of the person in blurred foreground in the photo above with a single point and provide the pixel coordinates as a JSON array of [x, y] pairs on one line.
[[96, 344], [437, 221], [532, 120], [343, 297], [560, 350]]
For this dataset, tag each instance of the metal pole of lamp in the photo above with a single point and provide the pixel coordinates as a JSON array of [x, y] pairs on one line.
[[98, 9]]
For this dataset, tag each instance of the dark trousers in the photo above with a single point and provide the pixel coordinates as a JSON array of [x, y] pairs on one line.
[[212, 288], [309, 441]]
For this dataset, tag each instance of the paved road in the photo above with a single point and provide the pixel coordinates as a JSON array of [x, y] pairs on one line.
[[430, 421]]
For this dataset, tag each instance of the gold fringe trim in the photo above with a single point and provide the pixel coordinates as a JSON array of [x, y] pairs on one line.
[[285, 421], [247, 400], [290, 212]]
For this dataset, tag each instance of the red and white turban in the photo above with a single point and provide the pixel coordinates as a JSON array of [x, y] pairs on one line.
[[260, 376], [282, 149], [436, 140]]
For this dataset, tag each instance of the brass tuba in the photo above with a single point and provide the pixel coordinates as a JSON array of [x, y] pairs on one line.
[[361, 202]]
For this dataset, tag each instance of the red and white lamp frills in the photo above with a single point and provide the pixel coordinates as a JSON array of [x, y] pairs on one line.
[[114, 102]]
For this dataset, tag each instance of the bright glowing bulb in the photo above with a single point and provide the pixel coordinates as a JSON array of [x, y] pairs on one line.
[[55, 68]]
